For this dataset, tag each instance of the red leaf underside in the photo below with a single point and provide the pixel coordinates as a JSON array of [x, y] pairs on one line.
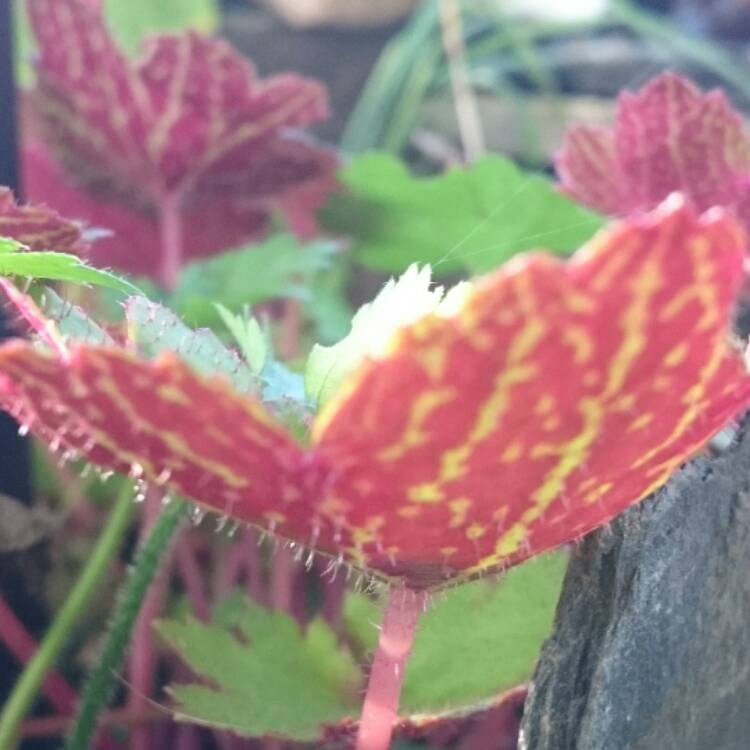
[[561, 394], [190, 108], [667, 137], [187, 124], [37, 227], [132, 240]]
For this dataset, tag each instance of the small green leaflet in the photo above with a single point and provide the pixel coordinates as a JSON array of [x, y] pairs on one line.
[[249, 336], [268, 677], [472, 218], [72, 322], [156, 329], [278, 267], [476, 640], [16, 261]]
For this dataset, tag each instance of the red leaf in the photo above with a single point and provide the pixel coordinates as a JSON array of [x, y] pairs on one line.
[[132, 242], [667, 137], [37, 227], [188, 122], [559, 395]]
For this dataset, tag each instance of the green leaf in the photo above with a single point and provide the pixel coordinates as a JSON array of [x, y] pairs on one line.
[[267, 676], [156, 329], [71, 320], [476, 640], [280, 385], [16, 261], [248, 335], [279, 267], [8, 245], [328, 308], [473, 218], [132, 20]]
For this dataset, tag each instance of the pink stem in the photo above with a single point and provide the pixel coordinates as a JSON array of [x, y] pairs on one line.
[[333, 600], [187, 739], [380, 710], [253, 567], [143, 659], [192, 578], [21, 644], [46, 330], [283, 569], [228, 570], [170, 225]]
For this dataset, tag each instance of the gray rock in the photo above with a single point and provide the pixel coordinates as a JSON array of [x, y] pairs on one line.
[[651, 644]]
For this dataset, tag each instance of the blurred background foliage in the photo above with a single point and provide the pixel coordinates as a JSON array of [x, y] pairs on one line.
[[531, 68]]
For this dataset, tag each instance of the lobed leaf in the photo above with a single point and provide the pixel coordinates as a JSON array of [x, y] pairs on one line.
[[278, 267], [475, 217], [667, 137], [249, 336], [156, 329], [71, 321], [268, 677], [187, 123], [475, 641], [556, 396]]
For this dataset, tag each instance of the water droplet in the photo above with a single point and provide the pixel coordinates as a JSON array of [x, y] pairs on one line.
[[221, 522], [164, 476], [166, 499], [23, 430], [197, 514]]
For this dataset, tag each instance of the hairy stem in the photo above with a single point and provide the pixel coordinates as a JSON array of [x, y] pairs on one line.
[[99, 688], [380, 710], [172, 241], [27, 687], [143, 659]]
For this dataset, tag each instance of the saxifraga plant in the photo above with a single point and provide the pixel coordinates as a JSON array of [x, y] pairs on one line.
[[501, 420]]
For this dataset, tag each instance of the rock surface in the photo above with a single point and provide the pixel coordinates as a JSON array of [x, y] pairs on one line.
[[651, 644]]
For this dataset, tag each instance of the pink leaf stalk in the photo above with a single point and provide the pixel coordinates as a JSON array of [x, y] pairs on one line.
[[22, 645], [187, 128], [667, 137], [380, 710]]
